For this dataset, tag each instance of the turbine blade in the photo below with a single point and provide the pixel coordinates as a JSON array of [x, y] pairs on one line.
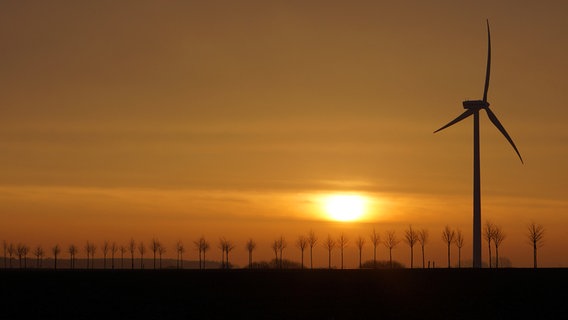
[[487, 72], [464, 115], [499, 126]]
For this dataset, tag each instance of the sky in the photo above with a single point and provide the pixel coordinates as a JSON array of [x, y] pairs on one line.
[[177, 119]]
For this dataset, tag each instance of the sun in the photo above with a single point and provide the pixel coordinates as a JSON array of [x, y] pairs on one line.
[[344, 207]]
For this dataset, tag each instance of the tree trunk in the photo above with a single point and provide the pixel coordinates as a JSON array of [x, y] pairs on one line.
[[496, 257], [449, 260], [534, 255], [411, 257], [423, 260]]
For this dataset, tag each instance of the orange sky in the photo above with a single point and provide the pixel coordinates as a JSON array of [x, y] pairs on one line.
[[142, 119]]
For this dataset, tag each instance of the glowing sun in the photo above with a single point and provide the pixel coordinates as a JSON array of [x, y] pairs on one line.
[[343, 207]]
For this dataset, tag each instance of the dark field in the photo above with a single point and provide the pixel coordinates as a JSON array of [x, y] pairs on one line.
[[288, 294]]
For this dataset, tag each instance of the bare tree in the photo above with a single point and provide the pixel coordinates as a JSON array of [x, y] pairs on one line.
[[141, 250], [375, 240], [411, 237], [38, 252], [88, 251], [204, 247], [250, 246], [11, 253], [488, 232], [459, 241], [180, 249], [329, 245], [535, 235], [22, 252], [312, 241], [122, 250], [161, 251], [93, 250], [282, 244], [198, 246], [342, 242], [302, 243], [154, 246], [72, 252], [275, 247], [423, 236], [55, 250], [106, 248], [448, 236], [229, 246], [390, 242], [113, 249], [132, 249], [226, 246], [498, 237], [360, 244]]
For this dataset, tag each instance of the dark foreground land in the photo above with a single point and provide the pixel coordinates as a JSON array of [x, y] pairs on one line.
[[289, 294]]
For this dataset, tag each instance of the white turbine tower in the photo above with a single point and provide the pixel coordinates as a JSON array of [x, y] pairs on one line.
[[472, 108]]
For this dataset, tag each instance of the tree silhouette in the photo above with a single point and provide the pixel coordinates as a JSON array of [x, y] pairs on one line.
[[250, 246], [154, 246], [275, 247], [302, 243], [226, 246], [55, 250], [342, 242], [411, 237], [360, 244], [72, 252], [93, 250], [204, 247], [390, 242], [488, 232], [141, 250], [229, 246], [375, 240], [38, 252], [132, 249], [161, 251], [11, 252], [448, 236], [423, 239], [329, 245], [113, 249], [106, 248], [535, 235], [312, 241], [22, 252], [498, 237], [282, 244], [459, 241], [88, 251], [122, 250], [180, 249]]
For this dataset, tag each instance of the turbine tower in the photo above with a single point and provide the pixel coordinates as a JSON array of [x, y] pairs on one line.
[[472, 108]]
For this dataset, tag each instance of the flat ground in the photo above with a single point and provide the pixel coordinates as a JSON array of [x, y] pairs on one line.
[[288, 294]]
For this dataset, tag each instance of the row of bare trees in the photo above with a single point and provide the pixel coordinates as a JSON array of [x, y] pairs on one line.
[[493, 235]]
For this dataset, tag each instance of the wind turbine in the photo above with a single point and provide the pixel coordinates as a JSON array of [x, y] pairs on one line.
[[472, 108]]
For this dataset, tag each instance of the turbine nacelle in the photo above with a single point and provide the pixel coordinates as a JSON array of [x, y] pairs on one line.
[[475, 104]]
